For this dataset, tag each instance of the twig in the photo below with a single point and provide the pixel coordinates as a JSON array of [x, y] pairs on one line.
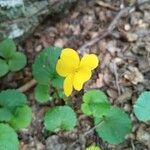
[[112, 26], [132, 144], [85, 134], [116, 78], [27, 86], [102, 35], [106, 5], [92, 129]]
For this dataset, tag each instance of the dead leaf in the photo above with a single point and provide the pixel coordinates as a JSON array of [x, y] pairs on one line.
[[112, 93], [99, 81], [129, 36], [112, 47], [134, 75]]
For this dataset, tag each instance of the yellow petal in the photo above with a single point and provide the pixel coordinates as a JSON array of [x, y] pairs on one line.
[[80, 78], [68, 84], [89, 61], [68, 62]]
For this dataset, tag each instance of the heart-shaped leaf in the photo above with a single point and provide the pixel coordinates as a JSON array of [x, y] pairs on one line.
[[60, 117], [42, 94], [45, 64], [95, 103], [7, 48], [142, 107], [8, 138], [114, 126], [21, 117], [11, 99], [17, 61], [14, 109]]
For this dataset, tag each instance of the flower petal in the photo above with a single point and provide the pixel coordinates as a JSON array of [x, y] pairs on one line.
[[68, 84], [80, 78], [89, 61], [68, 62]]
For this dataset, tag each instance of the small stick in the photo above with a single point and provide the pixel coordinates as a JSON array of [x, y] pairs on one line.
[[102, 35], [27, 86], [106, 5], [85, 134], [116, 78], [92, 129], [125, 11]]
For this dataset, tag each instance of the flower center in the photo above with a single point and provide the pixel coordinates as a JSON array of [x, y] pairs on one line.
[[77, 69]]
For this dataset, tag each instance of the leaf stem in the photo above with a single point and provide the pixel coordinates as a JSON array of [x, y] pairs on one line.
[[57, 93], [93, 128], [85, 134]]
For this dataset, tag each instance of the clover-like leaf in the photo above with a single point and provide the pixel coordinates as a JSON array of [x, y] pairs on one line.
[[17, 61], [7, 48], [14, 109], [42, 94], [60, 117], [114, 126], [142, 107], [3, 67], [45, 64], [11, 99], [8, 138], [95, 103], [21, 117]]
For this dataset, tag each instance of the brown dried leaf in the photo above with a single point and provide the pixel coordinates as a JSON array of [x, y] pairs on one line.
[[134, 75]]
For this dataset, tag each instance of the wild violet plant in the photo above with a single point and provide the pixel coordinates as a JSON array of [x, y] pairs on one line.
[[57, 71], [54, 64], [15, 114], [10, 59], [63, 70]]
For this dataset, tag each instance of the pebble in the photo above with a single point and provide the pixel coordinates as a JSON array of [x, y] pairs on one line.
[[127, 107], [127, 27], [53, 143], [143, 136]]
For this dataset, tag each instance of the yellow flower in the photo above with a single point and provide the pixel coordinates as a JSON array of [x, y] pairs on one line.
[[76, 72]]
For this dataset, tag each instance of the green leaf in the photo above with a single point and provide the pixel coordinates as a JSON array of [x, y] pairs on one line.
[[17, 61], [114, 126], [3, 67], [60, 117], [42, 93], [92, 147], [8, 138], [22, 117], [59, 94], [95, 103], [5, 115], [14, 110], [7, 48], [57, 81], [142, 107], [45, 64], [12, 98]]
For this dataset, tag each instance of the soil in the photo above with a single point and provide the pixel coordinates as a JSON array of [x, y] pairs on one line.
[[123, 73]]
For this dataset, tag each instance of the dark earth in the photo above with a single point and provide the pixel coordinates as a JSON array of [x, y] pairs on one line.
[[123, 73]]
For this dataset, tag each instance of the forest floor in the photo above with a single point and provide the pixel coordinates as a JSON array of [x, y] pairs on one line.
[[124, 71]]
